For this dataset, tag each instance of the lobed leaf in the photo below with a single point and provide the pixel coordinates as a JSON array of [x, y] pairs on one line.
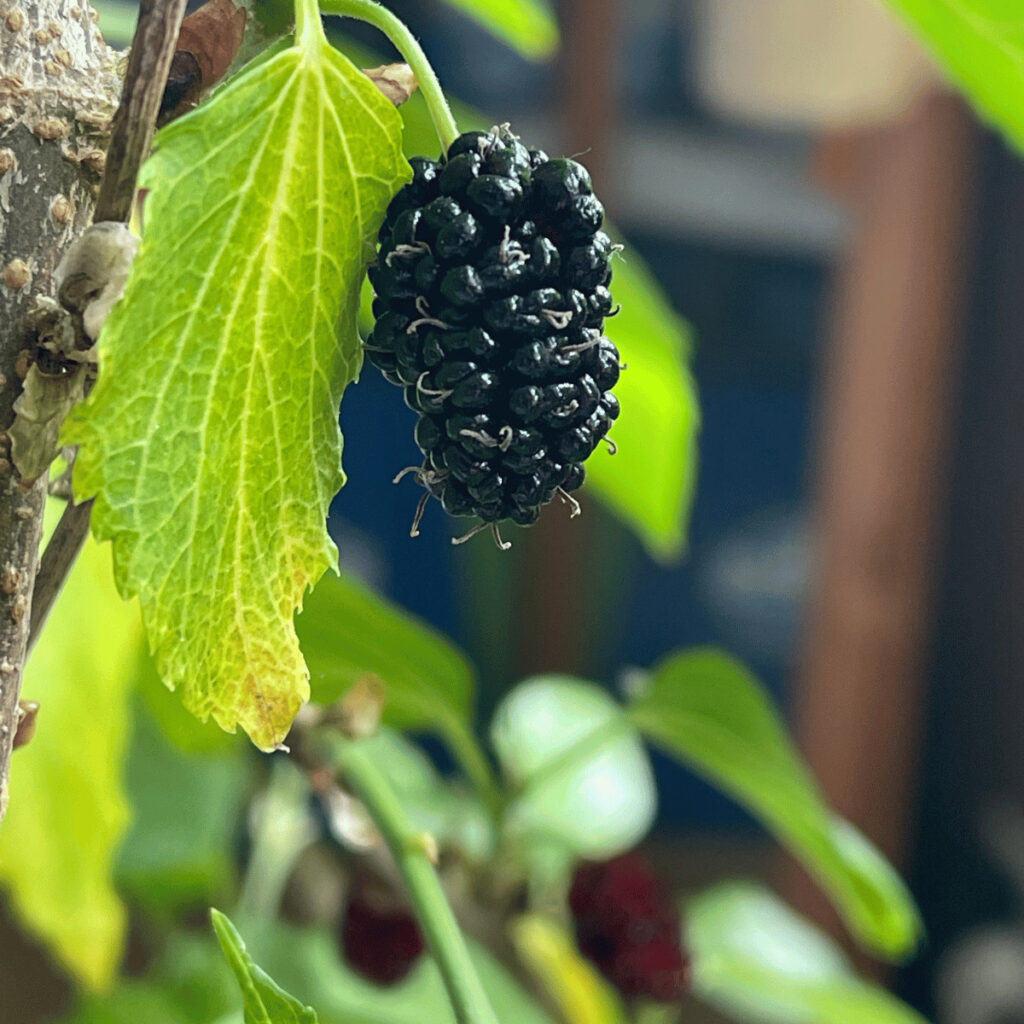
[[755, 959], [211, 439], [980, 44], [707, 710], [68, 811]]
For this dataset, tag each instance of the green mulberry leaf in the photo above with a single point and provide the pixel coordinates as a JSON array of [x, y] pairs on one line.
[[577, 765], [756, 960], [708, 711], [211, 440], [650, 483], [348, 632]]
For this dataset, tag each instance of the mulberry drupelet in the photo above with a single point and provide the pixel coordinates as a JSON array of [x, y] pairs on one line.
[[491, 292]]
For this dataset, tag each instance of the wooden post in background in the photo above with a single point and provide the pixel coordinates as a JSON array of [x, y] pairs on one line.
[[880, 475], [552, 635]]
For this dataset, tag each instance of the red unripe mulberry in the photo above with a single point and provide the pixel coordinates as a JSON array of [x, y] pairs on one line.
[[379, 937], [628, 929]]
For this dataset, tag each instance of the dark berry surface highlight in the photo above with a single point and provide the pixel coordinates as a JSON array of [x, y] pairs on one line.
[[491, 292]]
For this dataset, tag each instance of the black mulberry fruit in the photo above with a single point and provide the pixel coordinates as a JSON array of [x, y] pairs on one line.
[[491, 292]]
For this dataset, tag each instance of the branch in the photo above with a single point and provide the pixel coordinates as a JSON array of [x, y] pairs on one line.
[[156, 36], [57, 93]]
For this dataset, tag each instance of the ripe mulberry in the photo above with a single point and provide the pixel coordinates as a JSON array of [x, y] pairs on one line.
[[625, 927], [491, 292], [380, 938]]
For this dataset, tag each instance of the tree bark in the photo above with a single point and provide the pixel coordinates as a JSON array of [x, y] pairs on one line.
[[882, 487], [58, 91]]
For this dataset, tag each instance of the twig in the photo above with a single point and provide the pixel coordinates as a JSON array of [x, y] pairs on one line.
[[415, 853], [155, 39], [156, 36], [56, 562]]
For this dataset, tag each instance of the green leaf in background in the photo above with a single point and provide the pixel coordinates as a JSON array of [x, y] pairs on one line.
[[550, 955], [265, 1002], [68, 811], [213, 445], [581, 772], [182, 730], [980, 44], [649, 483], [185, 808], [706, 709], [281, 828], [528, 26], [756, 960], [117, 21], [186, 985], [347, 632]]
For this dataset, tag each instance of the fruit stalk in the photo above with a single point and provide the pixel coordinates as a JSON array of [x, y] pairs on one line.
[[413, 852], [406, 44], [308, 29]]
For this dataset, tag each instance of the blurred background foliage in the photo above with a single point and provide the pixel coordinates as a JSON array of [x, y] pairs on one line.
[[732, 163]]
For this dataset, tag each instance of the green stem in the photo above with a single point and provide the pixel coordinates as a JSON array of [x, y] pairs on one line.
[[411, 851], [405, 42], [464, 747], [309, 30]]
